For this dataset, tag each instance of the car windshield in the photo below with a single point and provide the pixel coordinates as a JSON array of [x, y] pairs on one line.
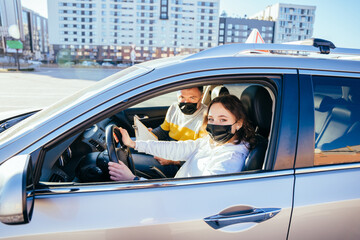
[[28, 124]]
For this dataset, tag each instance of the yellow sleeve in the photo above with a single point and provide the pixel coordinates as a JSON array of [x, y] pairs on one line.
[[165, 126]]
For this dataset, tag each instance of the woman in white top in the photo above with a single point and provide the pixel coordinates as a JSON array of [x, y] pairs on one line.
[[224, 150]]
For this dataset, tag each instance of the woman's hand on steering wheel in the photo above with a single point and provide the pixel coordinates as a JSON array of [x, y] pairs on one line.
[[120, 172], [117, 142], [126, 138]]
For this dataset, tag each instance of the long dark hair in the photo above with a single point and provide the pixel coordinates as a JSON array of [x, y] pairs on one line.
[[233, 104]]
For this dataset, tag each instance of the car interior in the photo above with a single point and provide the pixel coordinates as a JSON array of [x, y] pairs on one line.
[[83, 157], [337, 116]]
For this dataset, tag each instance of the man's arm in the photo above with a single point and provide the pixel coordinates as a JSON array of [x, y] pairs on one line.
[[161, 133], [166, 162]]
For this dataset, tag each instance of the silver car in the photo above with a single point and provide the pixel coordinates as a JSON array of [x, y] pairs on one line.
[[300, 182]]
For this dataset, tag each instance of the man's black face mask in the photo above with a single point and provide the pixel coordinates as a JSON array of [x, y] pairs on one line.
[[188, 108]]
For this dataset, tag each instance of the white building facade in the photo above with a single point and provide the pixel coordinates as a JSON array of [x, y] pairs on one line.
[[32, 27], [10, 14], [109, 29], [292, 22], [36, 36]]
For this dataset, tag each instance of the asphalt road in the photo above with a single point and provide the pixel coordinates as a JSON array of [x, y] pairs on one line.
[[45, 86]]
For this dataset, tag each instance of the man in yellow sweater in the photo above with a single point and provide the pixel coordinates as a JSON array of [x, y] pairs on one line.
[[183, 119]]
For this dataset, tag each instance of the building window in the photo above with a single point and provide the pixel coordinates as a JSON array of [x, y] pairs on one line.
[[164, 5]]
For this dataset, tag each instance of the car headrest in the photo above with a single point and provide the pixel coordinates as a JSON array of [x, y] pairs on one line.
[[219, 91], [323, 103], [354, 95], [258, 105]]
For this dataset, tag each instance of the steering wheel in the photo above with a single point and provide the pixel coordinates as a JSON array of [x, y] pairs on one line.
[[121, 153]]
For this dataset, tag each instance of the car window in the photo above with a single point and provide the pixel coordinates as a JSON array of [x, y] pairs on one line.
[[337, 120], [160, 101], [81, 157]]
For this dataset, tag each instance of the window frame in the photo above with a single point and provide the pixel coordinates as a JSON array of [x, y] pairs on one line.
[[275, 86], [306, 146]]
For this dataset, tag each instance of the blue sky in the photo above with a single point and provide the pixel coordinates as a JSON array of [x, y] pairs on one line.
[[335, 20]]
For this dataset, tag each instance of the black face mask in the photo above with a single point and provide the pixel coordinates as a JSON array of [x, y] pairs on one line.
[[188, 108], [220, 133]]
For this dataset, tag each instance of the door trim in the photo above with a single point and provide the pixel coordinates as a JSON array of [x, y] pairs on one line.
[[44, 189], [327, 168]]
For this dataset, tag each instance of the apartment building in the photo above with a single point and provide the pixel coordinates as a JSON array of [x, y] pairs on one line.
[[109, 29], [237, 30], [10, 14], [292, 22], [36, 36], [32, 28]]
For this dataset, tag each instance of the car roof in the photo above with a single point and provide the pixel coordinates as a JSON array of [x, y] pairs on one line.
[[292, 48], [290, 56]]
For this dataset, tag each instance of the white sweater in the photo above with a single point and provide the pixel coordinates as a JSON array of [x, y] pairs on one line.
[[202, 158]]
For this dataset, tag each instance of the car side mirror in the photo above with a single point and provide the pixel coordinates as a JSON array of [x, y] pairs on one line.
[[16, 190]]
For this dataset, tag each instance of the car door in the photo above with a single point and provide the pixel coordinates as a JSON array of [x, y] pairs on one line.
[[252, 205], [327, 191]]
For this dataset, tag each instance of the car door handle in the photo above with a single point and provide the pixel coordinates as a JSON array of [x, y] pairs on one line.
[[244, 215], [143, 117]]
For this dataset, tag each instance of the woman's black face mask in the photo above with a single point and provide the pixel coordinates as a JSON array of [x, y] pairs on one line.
[[220, 133], [188, 108]]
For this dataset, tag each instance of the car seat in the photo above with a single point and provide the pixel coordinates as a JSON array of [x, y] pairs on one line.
[[342, 126], [258, 105], [323, 106], [219, 91]]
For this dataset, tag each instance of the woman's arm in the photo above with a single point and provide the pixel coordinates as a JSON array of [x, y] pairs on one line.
[[171, 150]]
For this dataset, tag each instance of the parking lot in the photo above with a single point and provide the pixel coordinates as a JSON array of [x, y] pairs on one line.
[[44, 86]]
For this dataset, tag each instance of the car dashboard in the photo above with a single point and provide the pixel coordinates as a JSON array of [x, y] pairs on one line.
[[62, 163]]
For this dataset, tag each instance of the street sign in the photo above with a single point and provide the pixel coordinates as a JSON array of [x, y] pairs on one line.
[[14, 44], [17, 45]]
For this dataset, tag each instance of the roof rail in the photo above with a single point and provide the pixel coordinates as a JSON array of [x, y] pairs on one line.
[[323, 45], [235, 49]]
